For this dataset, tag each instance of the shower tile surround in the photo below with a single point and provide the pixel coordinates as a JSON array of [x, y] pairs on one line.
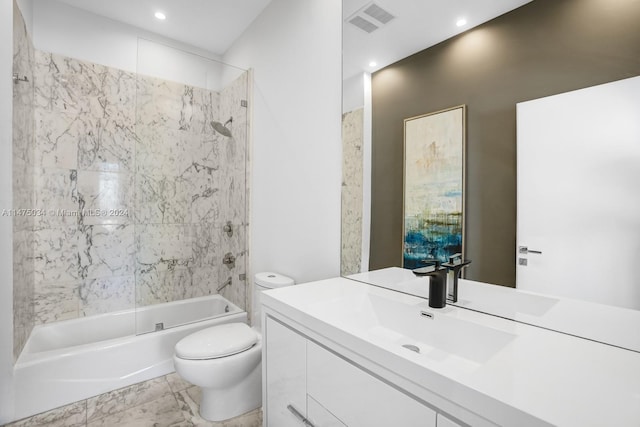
[[111, 139], [352, 182], [163, 401]]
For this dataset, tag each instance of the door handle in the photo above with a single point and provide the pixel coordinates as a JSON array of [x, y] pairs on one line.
[[526, 250]]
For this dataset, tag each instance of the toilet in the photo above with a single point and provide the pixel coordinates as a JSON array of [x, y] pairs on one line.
[[225, 360]]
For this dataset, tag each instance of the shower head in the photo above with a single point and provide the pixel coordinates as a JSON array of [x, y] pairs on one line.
[[222, 128]]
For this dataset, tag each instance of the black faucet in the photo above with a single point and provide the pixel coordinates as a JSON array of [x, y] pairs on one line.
[[437, 282]]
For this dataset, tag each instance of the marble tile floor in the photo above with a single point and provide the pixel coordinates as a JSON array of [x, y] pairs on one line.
[[166, 401]]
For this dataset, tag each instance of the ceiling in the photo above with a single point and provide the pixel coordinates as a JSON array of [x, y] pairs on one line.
[[213, 25], [418, 24]]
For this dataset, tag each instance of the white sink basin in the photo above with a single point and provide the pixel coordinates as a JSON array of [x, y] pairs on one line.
[[397, 323]]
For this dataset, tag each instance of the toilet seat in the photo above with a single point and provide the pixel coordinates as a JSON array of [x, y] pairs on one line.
[[216, 342]]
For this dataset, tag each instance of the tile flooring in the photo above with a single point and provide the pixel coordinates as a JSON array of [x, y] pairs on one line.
[[164, 401]]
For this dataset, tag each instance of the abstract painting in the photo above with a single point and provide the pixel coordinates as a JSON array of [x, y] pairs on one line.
[[434, 180]]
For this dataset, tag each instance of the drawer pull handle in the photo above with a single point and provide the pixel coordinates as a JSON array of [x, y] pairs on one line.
[[299, 416]]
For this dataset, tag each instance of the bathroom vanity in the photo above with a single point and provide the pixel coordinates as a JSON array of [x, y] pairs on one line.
[[339, 352]]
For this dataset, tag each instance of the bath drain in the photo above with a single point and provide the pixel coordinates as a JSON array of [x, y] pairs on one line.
[[411, 347]]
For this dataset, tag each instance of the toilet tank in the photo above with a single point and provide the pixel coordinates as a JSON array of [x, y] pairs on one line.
[[263, 282]]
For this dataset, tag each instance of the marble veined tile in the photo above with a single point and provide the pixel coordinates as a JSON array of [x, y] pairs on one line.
[[56, 139], [55, 301], [73, 415], [206, 248], [123, 399], [176, 383], [175, 284], [204, 281], [175, 106], [56, 255], [177, 262], [80, 87], [160, 199], [163, 246], [162, 412], [56, 193], [154, 286], [173, 151], [232, 199], [105, 197], [106, 251], [352, 175], [185, 192], [104, 295], [105, 145], [202, 186]]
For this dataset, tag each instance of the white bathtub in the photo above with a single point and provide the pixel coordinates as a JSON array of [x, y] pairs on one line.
[[71, 360]]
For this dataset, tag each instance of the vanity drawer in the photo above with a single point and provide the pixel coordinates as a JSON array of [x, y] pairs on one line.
[[357, 398], [285, 375]]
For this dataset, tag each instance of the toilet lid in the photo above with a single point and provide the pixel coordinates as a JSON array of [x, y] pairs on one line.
[[217, 341]]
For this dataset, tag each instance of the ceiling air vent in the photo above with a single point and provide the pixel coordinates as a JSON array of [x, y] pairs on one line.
[[370, 17]]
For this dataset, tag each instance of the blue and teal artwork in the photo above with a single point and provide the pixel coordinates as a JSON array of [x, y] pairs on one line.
[[433, 187], [435, 237]]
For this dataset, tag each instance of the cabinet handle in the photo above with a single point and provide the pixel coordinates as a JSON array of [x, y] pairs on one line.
[[299, 416]]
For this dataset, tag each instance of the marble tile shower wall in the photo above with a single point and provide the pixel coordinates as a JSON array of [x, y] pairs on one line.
[[141, 186], [189, 184], [23, 183]]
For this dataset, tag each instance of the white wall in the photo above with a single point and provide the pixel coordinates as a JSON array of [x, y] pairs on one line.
[[353, 92], [6, 202], [294, 47], [62, 29], [366, 173]]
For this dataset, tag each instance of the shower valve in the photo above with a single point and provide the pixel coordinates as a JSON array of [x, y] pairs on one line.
[[228, 228], [229, 260]]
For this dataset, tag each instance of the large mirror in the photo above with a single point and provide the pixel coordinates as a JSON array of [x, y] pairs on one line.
[[491, 59]]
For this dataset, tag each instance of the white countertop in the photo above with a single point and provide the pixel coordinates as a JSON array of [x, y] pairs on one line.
[[598, 322], [531, 377]]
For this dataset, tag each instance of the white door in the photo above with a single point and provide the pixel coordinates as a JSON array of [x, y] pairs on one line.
[[579, 194]]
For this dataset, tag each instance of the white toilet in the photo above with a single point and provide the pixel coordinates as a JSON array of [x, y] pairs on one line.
[[225, 360]]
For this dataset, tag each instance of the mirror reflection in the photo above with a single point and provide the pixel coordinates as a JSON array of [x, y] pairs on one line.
[[497, 67]]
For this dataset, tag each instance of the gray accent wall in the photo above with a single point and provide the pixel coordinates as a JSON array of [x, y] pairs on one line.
[[543, 48]]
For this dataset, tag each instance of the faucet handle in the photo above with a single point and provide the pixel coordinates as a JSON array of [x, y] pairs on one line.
[[433, 265], [455, 258], [456, 263]]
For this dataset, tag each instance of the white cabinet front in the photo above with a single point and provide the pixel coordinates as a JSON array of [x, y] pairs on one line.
[[286, 387], [320, 417], [357, 398]]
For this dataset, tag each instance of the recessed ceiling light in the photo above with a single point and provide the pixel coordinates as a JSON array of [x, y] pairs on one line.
[[373, 64], [161, 16], [460, 22]]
